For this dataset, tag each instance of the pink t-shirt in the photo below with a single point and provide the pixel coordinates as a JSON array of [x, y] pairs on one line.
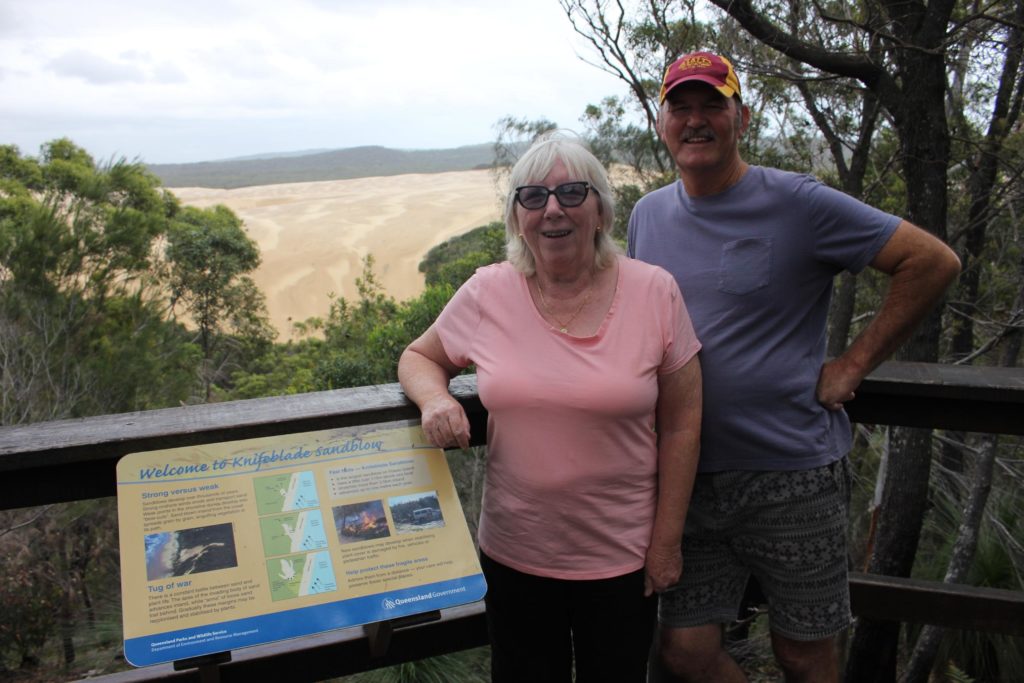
[[572, 456]]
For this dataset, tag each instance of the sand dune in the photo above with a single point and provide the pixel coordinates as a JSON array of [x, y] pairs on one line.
[[313, 236]]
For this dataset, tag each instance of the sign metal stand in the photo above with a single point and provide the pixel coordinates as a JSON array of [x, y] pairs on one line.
[[208, 665], [379, 633], [378, 636]]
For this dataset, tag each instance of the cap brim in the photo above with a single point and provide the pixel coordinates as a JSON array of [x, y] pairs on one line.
[[714, 83]]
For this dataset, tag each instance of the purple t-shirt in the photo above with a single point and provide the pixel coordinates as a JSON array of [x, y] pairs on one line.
[[756, 264]]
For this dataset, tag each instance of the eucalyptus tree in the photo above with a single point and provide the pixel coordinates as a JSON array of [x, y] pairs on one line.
[[912, 99], [209, 258], [81, 333], [78, 296], [909, 76], [984, 113]]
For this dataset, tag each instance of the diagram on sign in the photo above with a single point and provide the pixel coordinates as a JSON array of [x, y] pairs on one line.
[[297, 575], [286, 492], [293, 532]]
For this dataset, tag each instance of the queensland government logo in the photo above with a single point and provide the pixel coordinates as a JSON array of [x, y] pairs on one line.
[[388, 603]]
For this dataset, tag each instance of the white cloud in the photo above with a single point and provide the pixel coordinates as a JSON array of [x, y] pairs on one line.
[[236, 78], [95, 69]]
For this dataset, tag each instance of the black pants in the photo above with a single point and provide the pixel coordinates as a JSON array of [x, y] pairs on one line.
[[537, 625]]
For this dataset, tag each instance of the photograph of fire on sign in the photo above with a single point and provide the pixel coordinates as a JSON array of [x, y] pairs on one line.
[[361, 521]]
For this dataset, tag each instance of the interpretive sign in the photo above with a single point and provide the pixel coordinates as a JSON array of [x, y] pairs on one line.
[[245, 542]]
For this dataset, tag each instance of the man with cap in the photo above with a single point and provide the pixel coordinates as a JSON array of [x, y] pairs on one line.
[[755, 251]]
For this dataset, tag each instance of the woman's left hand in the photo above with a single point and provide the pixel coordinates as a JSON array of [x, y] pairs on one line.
[[662, 568]]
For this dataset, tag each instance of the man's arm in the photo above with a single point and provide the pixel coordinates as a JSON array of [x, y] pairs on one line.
[[921, 267]]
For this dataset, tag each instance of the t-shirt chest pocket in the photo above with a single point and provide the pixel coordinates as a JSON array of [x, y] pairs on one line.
[[746, 265]]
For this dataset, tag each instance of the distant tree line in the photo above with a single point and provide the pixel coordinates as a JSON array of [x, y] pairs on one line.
[[318, 165]]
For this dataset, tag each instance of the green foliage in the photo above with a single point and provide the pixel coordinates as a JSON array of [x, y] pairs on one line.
[[998, 563], [955, 675], [452, 262], [281, 370], [208, 252], [352, 361], [209, 257], [416, 315], [134, 343], [60, 563], [614, 140], [515, 135], [18, 174], [30, 599], [70, 225], [364, 339], [81, 331]]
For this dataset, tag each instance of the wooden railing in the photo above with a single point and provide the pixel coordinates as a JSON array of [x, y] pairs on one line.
[[75, 460]]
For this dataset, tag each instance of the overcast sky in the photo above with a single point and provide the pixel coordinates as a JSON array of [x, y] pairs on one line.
[[197, 80]]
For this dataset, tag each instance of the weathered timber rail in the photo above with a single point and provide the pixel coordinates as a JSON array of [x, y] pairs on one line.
[[70, 460]]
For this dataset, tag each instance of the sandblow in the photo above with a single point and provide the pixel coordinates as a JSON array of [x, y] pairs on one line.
[[313, 236]]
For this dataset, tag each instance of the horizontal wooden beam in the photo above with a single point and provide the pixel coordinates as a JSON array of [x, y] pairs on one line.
[[930, 395], [888, 598], [66, 460], [348, 651]]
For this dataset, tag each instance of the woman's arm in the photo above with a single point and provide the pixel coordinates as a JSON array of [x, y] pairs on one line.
[[424, 370], [678, 425]]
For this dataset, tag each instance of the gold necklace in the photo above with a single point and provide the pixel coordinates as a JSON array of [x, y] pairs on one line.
[[563, 327]]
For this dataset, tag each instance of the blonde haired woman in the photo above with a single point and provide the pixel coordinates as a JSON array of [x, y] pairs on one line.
[[587, 364]]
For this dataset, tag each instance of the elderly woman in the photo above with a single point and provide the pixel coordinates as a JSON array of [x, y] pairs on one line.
[[587, 364]]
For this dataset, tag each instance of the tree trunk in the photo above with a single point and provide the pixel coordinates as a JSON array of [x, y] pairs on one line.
[[67, 641], [923, 658], [982, 184], [874, 645], [844, 301], [924, 151], [67, 617], [927, 646]]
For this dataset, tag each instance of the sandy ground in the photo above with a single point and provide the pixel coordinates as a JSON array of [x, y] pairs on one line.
[[313, 236]]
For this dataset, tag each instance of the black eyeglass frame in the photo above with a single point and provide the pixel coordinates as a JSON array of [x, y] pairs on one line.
[[587, 187]]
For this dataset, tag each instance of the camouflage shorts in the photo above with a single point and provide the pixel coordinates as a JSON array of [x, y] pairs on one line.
[[788, 529]]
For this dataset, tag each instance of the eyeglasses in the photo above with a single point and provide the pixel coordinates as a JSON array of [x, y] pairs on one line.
[[567, 194]]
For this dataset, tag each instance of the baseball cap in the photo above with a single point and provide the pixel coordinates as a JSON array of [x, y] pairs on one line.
[[701, 66]]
